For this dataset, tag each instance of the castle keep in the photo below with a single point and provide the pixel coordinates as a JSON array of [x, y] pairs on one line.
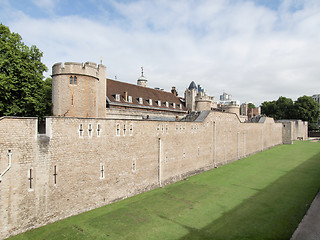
[[103, 145]]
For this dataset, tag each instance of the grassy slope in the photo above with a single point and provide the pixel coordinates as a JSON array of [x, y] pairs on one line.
[[260, 197]]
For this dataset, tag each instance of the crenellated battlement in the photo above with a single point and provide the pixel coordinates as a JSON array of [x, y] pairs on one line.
[[86, 69]]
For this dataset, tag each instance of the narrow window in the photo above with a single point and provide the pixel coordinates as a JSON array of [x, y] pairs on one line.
[[98, 129], [72, 100], [75, 80], [173, 105], [124, 129], [118, 97], [81, 130], [150, 102], [140, 101], [167, 128], [134, 165], [184, 154], [131, 129], [30, 178], [167, 104], [101, 171], [55, 174], [118, 130], [90, 130], [71, 80], [180, 105], [130, 99], [159, 103]]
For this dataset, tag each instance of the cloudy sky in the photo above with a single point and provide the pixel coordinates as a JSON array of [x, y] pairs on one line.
[[256, 50]]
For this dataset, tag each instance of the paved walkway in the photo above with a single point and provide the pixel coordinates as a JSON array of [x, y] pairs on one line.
[[309, 227]]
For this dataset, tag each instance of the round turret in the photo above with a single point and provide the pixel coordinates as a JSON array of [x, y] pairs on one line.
[[79, 90], [142, 81]]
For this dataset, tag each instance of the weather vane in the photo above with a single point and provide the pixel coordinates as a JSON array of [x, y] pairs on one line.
[[142, 71]]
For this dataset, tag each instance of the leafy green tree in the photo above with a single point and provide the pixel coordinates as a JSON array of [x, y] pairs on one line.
[[251, 105], [269, 108], [47, 89], [284, 108], [280, 109], [306, 109], [22, 89]]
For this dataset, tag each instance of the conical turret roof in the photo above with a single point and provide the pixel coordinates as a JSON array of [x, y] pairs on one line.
[[192, 85]]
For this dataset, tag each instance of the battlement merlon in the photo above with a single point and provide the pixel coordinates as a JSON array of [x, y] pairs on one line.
[[85, 69]]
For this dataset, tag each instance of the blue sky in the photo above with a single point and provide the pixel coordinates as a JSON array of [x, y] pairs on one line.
[[256, 50]]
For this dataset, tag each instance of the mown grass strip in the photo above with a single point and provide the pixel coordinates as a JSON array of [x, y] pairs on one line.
[[263, 196]]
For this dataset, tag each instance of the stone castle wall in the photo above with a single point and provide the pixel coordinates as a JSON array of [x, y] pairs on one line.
[[84, 163]]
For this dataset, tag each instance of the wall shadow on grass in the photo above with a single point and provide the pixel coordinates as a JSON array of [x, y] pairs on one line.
[[273, 213]]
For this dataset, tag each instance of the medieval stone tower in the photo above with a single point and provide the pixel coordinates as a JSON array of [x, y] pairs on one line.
[[79, 90], [190, 96]]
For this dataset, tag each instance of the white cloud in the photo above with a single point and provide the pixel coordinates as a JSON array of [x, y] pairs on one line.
[[46, 5], [250, 51]]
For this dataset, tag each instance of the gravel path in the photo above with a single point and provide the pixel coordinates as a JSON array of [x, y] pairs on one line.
[[309, 227]]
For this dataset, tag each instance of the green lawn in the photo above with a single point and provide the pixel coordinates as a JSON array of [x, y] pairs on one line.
[[263, 196]]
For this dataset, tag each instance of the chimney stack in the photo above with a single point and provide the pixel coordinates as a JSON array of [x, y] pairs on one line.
[[174, 91]]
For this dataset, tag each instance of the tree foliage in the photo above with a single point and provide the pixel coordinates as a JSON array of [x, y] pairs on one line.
[[305, 108], [251, 105], [280, 109], [22, 89]]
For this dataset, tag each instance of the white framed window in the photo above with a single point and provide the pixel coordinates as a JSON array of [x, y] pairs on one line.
[[98, 130], [167, 104], [118, 97], [150, 102], [80, 130], [131, 129], [159, 103], [130, 99], [140, 100], [173, 105], [118, 129], [180, 106], [90, 130]]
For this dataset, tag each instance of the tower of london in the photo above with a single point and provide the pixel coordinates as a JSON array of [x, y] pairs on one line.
[[108, 140]]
